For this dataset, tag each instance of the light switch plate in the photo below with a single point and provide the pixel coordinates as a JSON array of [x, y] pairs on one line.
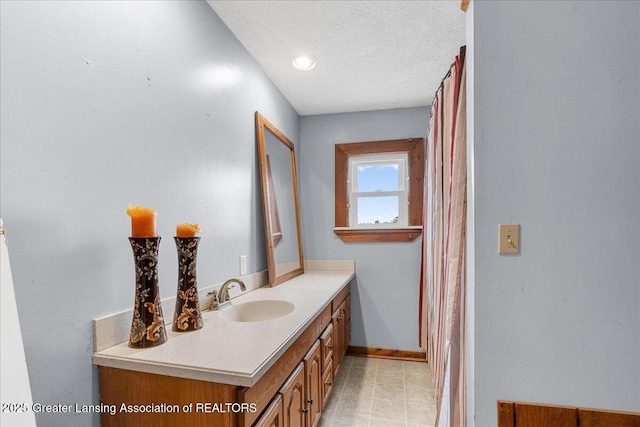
[[243, 265], [508, 238]]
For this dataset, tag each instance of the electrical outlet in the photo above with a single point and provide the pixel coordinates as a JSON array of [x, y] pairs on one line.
[[508, 238], [243, 265]]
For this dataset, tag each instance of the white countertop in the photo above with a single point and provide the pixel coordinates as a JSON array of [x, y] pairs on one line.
[[236, 353]]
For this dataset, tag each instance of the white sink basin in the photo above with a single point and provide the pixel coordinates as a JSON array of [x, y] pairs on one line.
[[257, 311]]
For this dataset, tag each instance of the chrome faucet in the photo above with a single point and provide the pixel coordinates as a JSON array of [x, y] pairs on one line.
[[222, 299]]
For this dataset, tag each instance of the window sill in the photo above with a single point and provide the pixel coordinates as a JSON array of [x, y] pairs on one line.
[[363, 235]]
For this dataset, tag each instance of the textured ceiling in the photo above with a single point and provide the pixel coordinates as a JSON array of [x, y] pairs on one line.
[[370, 55]]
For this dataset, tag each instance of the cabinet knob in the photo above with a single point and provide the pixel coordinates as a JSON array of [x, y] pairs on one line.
[[310, 401], [328, 383], [329, 347], [305, 410]]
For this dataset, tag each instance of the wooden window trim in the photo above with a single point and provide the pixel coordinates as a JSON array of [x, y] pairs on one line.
[[414, 147]]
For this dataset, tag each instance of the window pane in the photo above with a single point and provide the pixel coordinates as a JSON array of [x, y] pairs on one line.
[[378, 210], [377, 177]]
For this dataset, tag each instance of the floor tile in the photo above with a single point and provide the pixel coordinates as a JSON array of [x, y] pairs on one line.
[[367, 383], [420, 395], [381, 422], [332, 403], [343, 371], [370, 392], [364, 361], [361, 388], [417, 367], [417, 380], [326, 418], [391, 365], [355, 404], [389, 410], [390, 392], [346, 361], [422, 415], [347, 419], [362, 372], [390, 377], [338, 384]]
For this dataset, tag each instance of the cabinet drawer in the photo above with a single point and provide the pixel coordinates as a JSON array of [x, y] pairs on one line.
[[339, 299], [326, 343], [327, 383]]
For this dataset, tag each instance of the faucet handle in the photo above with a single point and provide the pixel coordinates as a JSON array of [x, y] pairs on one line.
[[214, 300]]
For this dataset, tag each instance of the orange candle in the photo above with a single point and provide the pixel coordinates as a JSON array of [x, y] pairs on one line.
[[143, 221], [187, 230]]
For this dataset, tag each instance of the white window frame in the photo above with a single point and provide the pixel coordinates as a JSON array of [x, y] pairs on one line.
[[399, 159]]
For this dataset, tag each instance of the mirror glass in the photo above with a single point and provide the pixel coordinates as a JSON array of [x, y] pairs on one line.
[[279, 202]]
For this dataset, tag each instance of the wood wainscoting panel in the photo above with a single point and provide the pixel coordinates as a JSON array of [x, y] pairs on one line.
[[518, 414], [506, 414], [532, 415], [601, 418]]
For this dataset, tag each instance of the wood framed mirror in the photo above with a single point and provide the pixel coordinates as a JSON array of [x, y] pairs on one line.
[[279, 187]]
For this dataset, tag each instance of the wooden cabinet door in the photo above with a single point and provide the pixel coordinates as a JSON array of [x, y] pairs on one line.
[[273, 416], [293, 399], [338, 321], [347, 323], [313, 384], [347, 334]]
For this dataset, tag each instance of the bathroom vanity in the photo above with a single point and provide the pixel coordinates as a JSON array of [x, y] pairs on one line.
[[268, 359], [237, 371]]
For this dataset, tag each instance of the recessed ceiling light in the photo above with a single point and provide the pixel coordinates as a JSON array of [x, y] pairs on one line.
[[304, 63]]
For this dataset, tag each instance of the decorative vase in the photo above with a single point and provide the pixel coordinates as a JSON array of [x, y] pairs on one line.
[[147, 327], [187, 315]]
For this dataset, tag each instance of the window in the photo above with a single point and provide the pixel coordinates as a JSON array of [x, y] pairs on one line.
[[379, 190]]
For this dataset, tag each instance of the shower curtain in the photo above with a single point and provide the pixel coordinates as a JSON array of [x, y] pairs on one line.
[[443, 276]]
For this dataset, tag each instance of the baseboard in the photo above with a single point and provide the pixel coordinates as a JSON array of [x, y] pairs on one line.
[[385, 353]]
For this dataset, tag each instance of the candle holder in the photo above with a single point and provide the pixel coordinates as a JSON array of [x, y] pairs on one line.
[[147, 327], [187, 315]]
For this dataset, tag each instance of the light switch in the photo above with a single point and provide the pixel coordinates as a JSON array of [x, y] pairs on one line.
[[508, 238]]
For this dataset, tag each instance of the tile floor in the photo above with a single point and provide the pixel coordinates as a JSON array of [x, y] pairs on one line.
[[371, 392]]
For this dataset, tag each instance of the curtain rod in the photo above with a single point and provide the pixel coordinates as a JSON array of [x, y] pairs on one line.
[[435, 94], [462, 55]]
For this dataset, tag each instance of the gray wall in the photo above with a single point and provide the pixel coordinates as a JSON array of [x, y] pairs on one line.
[[557, 149], [110, 103], [279, 154], [385, 293]]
